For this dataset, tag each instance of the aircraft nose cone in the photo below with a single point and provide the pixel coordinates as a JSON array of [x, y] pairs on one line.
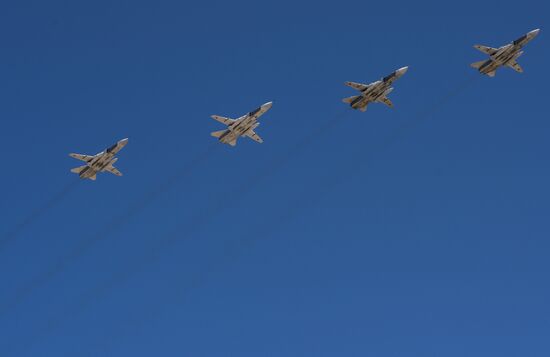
[[123, 142], [401, 71], [267, 105], [534, 32]]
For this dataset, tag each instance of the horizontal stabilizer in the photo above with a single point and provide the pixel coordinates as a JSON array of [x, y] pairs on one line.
[[358, 86], [78, 170], [349, 100], [477, 65], [217, 134]]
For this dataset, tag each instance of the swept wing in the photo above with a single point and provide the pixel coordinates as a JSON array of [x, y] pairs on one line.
[[85, 158], [485, 49], [252, 135], [223, 120], [515, 66], [358, 86]]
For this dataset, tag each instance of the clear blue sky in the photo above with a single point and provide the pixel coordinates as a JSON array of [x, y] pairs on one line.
[[359, 243]]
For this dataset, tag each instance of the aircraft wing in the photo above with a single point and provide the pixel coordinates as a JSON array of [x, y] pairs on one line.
[[252, 135], [223, 120], [85, 158], [515, 66], [358, 86], [113, 170], [387, 101], [487, 50]]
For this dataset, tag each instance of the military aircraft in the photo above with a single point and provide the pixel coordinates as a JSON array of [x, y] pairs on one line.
[[503, 56], [374, 92], [101, 162], [243, 126]]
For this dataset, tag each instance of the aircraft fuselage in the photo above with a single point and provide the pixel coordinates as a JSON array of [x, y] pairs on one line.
[[244, 125], [508, 54], [98, 164], [372, 93]]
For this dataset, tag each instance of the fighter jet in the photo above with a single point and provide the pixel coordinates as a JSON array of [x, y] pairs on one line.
[[503, 56], [101, 162], [374, 92], [243, 126]]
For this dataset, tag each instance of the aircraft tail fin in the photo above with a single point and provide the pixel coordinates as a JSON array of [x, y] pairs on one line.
[[217, 134], [78, 170]]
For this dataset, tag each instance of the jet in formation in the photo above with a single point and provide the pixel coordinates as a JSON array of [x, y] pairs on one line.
[[374, 92], [504, 56], [101, 162], [243, 126]]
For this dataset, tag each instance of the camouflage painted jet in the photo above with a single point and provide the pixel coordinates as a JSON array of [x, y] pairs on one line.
[[243, 126], [503, 56], [374, 92], [101, 162]]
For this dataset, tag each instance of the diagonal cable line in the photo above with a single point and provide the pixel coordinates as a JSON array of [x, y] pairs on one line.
[[155, 253], [232, 250], [112, 226], [201, 220], [37, 214]]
